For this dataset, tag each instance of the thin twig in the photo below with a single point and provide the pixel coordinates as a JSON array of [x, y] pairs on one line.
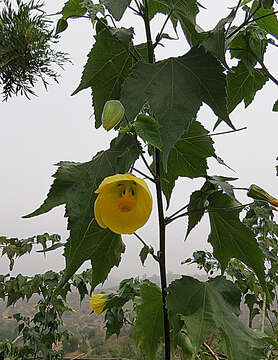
[[162, 29], [236, 10], [263, 16], [175, 213], [136, 11], [210, 351], [270, 76], [146, 176], [139, 8], [213, 134], [145, 244], [249, 21], [168, 221], [146, 164]]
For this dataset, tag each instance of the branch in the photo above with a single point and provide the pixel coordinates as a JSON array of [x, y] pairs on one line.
[[271, 77], [145, 244], [175, 213], [236, 10], [158, 38], [146, 176], [249, 21], [213, 134], [210, 351], [162, 227], [169, 220]]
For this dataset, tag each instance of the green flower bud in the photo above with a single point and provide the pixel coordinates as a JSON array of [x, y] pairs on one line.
[[257, 193], [112, 114]]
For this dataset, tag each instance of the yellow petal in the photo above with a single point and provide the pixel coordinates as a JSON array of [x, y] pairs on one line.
[[273, 201], [110, 180], [97, 303], [97, 211], [123, 214]]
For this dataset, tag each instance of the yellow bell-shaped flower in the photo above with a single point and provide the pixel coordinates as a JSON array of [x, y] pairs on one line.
[[97, 303], [124, 203]]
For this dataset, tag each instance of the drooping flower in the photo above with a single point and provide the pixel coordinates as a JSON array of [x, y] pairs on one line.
[[257, 193], [124, 203], [97, 303]]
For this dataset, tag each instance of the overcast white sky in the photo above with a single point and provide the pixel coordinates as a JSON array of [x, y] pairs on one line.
[[36, 134]]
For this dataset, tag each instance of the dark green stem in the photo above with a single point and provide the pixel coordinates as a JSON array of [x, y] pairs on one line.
[[162, 227], [162, 254]]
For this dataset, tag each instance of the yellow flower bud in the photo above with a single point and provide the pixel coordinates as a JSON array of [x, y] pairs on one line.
[[97, 303], [112, 114], [257, 193], [124, 203]]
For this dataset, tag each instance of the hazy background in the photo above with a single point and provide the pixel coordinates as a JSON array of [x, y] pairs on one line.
[[54, 126]]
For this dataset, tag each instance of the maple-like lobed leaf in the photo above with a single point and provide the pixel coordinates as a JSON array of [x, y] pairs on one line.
[[108, 64], [207, 306], [74, 185], [116, 8], [230, 238], [175, 89], [243, 84], [73, 8], [188, 157], [148, 328]]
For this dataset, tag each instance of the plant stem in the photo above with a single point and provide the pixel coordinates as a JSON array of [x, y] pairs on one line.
[[210, 351], [213, 134], [263, 312], [162, 227], [161, 254], [169, 220], [145, 244], [175, 213], [146, 176], [162, 29]]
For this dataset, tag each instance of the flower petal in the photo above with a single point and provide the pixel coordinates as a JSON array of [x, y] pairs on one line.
[[97, 211], [97, 303]]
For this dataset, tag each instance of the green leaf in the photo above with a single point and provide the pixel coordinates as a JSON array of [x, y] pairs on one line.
[[155, 6], [145, 251], [101, 246], [196, 209], [74, 185], [148, 129], [267, 4], [62, 25], [230, 238], [275, 106], [73, 8], [268, 23], [123, 35], [208, 306], [114, 321], [185, 11], [215, 43], [249, 46], [108, 65], [148, 329], [242, 85], [185, 305], [188, 157], [175, 89], [51, 248], [221, 183], [116, 8]]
